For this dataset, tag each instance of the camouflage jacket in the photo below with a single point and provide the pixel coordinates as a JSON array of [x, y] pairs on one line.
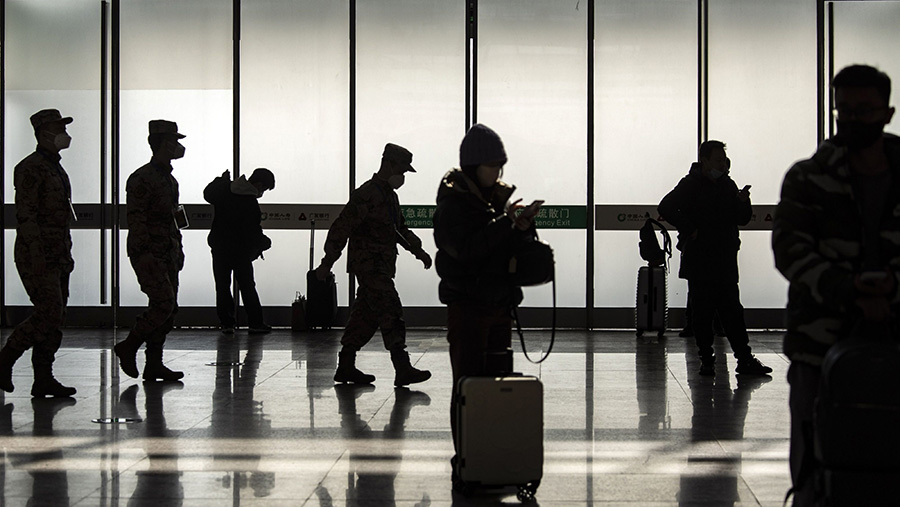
[[43, 210], [372, 222], [151, 198], [817, 239]]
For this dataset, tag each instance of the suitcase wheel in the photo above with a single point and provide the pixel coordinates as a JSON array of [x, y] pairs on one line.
[[527, 491]]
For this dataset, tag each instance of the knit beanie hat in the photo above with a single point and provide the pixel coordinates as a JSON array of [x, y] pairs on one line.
[[481, 145]]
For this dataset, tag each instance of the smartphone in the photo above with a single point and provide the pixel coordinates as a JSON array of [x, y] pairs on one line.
[[532, 209], [181, 219], [746, 188]]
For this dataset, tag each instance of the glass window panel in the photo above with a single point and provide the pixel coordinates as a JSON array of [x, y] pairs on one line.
[[866, 32], [762, 104], [569, 248], [646, 98], [295, 97], [762, 88], [52, 52], [411, 92], [532, 90], [617, 267], [177, 68]]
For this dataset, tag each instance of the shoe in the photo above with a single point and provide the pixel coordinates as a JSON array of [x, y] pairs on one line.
[[126, 351], [708, 367], [49, 386], [8, 357], [227, 329], [347, 372], [260, 329], [405, 372], [750, 365], [154, 369]]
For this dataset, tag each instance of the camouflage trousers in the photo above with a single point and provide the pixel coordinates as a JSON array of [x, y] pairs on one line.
[[159, 281], [49, 292], [377, 306]]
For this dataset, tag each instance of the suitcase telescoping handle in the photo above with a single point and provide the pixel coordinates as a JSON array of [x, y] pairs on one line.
[[312, 242]]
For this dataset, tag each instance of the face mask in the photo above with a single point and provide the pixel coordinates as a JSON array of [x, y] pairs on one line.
[[176, 150], [714, 174], [61, 141], [396, 181], [857, 135]]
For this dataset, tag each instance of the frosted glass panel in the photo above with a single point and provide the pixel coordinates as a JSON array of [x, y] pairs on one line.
[[52, 52], [532, 89], [646, 98], [411, 88], [762, 88], [866, 32], [295, 97], [177, 69]]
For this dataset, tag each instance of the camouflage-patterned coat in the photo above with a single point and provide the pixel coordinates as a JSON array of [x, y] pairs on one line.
[[151, 198], [818, 245], [372, 222], [43, 211]]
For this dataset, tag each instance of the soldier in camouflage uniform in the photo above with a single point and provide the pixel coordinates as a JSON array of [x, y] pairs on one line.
[[154, 248], [839, 217], [43, 254], [372, 222]]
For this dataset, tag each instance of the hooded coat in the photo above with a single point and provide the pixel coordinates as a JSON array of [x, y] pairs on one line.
[[475, 240], [236, 225]]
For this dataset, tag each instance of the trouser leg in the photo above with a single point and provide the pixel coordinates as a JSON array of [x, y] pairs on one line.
[[804, 382], [703, 308], [243, 272], [731, 314], [222, 268]]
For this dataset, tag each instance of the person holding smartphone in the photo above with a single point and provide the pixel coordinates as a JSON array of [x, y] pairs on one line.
[[476, 231], [706, 207]]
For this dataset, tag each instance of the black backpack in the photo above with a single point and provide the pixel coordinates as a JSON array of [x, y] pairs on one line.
[[649, 243]]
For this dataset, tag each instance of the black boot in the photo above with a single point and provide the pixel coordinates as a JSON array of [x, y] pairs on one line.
[[8, 357], [44, 382], [405, 372], [346, 370], [126, 351], [155, 369]]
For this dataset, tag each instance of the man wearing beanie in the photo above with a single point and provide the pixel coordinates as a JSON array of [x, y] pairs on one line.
[[476, 231], [373, 224]]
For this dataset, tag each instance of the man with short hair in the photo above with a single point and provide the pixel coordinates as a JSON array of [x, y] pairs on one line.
[[834, 239], [374, 225], [154, 247], [43, 254], [236, 239], [706, 207]]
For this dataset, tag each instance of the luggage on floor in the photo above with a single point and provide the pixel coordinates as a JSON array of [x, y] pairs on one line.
[[500, 432], [856, 425], [651, 310], [321, 295], [298, 313]]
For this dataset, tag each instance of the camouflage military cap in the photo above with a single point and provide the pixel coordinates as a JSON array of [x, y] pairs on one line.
[[165, 127], [398, 155], [45, 116]]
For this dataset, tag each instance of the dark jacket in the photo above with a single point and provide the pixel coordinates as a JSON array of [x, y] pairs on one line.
[[236, 228], [817, 238], [710, 208], [475, 240]]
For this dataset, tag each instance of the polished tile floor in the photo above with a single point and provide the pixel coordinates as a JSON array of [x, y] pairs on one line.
[[258, 421]]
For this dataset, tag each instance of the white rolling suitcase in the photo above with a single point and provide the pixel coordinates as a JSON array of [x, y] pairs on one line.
[[500, 425]]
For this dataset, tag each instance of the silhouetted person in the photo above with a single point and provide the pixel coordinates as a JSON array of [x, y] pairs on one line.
[[707, 208], [236, 239], [43, 254], [834, 238], [475, 230], [374, 226], [154, 248]]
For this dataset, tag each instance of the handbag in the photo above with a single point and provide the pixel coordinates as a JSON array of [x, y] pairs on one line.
[[532, 263]]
